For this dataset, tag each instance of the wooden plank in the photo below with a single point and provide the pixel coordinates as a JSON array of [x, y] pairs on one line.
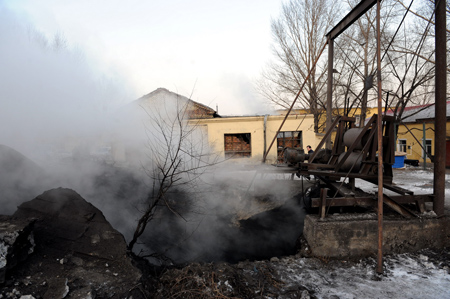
[[323, 197], [420, 205], [327, 173], [369, 201], [341, 189], [344, 202], [338, 187], [398, 189], [315, 165], [397, 207]]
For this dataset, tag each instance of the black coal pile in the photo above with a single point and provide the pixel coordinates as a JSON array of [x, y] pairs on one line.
[[258, 227], [16, 242], [60, 246], [271, 233], [20, 178], [77, 253]]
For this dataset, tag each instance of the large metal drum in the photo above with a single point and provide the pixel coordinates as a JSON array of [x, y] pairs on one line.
[[354, 160], [293, 156], [352, 134]]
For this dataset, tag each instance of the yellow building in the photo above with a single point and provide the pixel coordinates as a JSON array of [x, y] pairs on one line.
[[354, 112], [416, 132], [236, 137], [251, 136], [248, 137]]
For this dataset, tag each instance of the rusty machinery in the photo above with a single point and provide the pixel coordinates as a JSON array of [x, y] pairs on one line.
[[354, 156]]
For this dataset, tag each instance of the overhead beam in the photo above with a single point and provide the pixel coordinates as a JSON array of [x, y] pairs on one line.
[[351, 17]]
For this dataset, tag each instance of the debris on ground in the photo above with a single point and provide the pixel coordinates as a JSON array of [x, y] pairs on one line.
[[424, 274]]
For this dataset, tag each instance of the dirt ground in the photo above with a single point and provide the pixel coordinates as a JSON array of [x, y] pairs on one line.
[[302, 277]]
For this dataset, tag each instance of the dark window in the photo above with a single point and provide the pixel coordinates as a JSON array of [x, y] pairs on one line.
[[428, 143], [357, 120], [402, 145], [238, 145], [292, 139]]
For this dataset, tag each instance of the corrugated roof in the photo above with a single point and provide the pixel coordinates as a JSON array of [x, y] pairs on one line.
[[421, 112]]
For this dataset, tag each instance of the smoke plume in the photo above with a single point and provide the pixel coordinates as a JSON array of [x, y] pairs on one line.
[[64, 124]]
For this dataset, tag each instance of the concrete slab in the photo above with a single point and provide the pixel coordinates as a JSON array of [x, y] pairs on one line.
[[355, 235]]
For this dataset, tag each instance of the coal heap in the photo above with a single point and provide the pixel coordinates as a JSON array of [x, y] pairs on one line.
[[20, 178], [77, 253], [270, 233]]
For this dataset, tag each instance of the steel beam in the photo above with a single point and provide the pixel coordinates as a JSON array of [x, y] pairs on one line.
[[380, 147], [440, 109], [329, 90], [351, 17]]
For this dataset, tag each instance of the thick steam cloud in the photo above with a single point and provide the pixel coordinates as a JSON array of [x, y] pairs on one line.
[[68, 123], [49, 91]]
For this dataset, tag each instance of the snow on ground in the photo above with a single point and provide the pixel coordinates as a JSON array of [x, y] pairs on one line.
[[405, 276], [412, 275], [423, 275], [415, 179]]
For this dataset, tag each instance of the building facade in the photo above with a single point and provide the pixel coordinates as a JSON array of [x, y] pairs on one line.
[[251, 136], [415, 134]]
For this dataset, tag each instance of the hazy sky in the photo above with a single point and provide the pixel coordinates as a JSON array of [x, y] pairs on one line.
[[213, 50]]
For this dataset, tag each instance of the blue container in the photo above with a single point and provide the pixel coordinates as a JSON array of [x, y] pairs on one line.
[[399, 162]]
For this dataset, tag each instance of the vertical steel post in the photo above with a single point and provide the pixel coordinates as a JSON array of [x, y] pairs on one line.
[[424, 143], [293, 102], [440, 108], [329, 90], [395, 137], [265, 134], [323, 202], [380, 149]]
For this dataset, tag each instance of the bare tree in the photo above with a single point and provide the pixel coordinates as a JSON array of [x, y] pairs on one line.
[[357, 49], [411, 66], [298, 36], [177, 155], [407, 66], [408, 51]]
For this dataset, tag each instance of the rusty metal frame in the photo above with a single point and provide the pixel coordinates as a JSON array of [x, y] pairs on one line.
[[441, 107], [330, 175], [369, 168], [351, 17]]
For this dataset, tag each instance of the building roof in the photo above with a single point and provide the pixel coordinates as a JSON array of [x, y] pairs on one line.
[[421, 112], [196, 109]]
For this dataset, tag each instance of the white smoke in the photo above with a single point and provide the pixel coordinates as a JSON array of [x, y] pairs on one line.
[[49, 91], [57, 109], [54, 105]]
